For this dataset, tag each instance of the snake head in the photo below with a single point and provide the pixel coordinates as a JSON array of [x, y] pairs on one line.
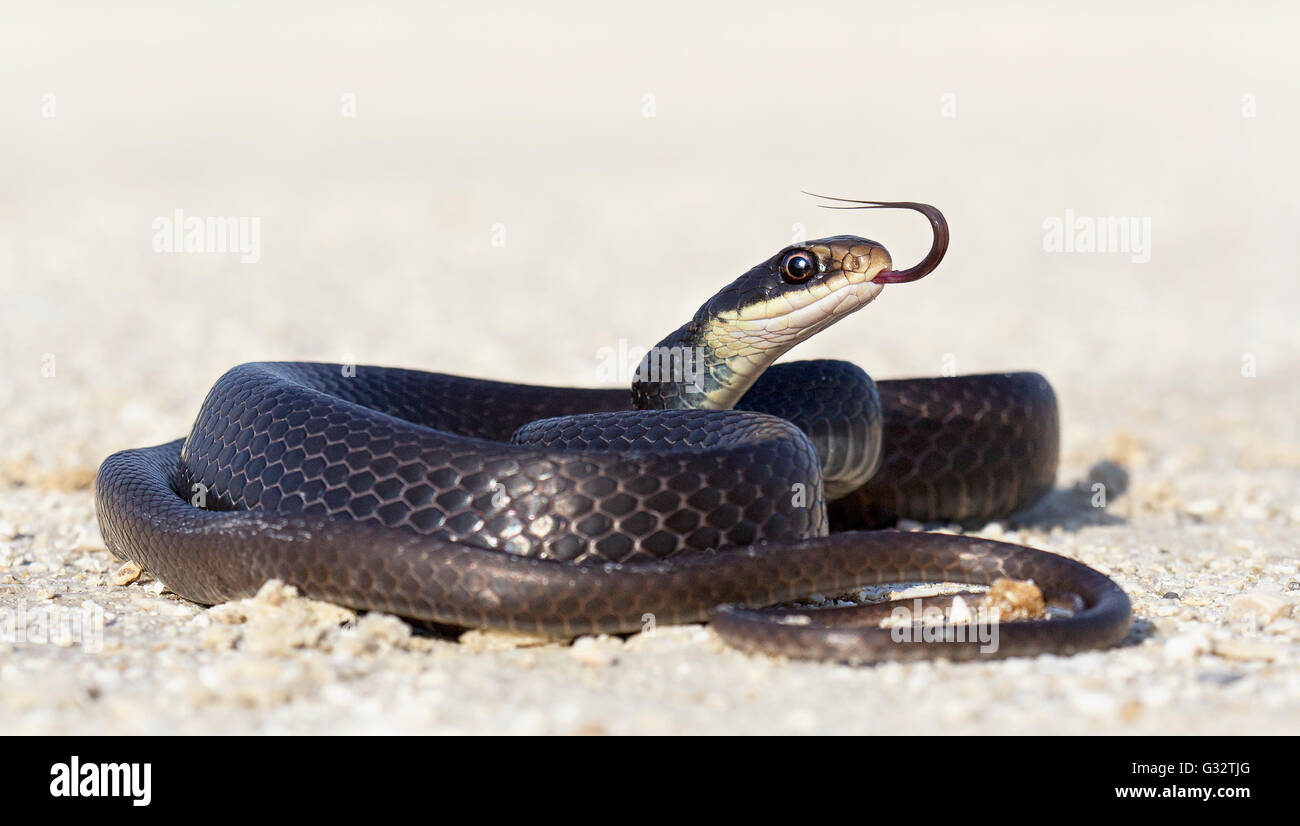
[[800, 291], [790, 297], [751, 322], [809, 286]]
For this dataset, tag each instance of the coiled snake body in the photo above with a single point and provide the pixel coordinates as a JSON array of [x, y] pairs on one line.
[[479, 503]]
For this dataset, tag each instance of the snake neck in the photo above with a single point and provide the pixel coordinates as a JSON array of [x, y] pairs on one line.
[[703, 365], [709, 362]]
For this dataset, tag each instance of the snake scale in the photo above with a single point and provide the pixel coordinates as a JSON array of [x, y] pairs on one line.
[[720, 485]]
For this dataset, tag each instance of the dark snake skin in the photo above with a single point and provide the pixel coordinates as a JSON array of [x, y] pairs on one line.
[[403, 491]]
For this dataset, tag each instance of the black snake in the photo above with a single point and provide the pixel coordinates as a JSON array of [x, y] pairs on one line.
[[720, 485]]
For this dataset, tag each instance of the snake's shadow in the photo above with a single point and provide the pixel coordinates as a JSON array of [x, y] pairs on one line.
[[1080, 505], [1084, 504]]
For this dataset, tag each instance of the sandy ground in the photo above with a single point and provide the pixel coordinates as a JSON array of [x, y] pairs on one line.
[[504, 195]]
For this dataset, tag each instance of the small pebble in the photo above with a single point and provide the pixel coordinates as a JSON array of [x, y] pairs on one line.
[[1186, 647], [1260, 606], [1097, 704], [1247, 650], [1219, 677], [1285, 627], [993, 530], [128, 574], [1256, 512], [1202, 507], [590, 651], [959, 613]]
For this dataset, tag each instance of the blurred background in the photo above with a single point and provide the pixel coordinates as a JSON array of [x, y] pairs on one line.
[[504, 191]]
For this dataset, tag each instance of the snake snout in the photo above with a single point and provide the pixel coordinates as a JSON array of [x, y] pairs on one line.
[[865, 260]]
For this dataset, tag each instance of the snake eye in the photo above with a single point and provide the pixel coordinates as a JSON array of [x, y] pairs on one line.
[[798, 266]]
